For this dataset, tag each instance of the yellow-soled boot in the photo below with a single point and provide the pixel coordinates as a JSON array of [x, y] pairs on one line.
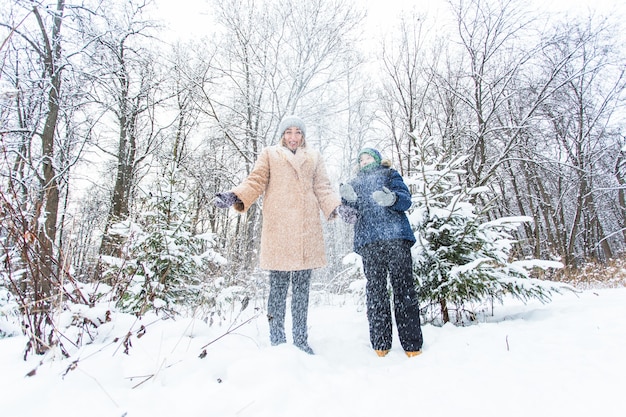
[[382, 352], [415, 353]]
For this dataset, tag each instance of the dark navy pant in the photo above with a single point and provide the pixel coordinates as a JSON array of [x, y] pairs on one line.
[[391, 259], [279, 284]]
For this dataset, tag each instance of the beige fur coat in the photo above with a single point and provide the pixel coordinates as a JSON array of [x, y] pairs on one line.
[[295, 188]]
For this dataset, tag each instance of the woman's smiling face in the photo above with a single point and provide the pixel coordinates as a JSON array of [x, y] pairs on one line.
[[293, 138]]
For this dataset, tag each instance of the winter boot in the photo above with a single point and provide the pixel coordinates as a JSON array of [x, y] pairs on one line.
[[415, 353], [382, 352]]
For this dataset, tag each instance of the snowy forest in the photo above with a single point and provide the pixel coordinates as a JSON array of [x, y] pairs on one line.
[[506, 122]]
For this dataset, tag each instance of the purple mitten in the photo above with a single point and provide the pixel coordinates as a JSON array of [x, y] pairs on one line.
[[225, 200], [347, 214]]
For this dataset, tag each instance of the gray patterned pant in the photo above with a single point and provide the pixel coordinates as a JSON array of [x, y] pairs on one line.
[[279, 285]]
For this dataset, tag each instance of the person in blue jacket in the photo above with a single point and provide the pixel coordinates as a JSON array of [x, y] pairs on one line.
[[383, 237]]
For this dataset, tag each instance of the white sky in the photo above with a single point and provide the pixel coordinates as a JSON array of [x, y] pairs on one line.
[[192, 17]]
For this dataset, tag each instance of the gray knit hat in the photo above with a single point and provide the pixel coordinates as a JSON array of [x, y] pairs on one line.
[[291, 121]]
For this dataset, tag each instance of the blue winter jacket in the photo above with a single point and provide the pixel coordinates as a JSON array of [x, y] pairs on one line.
[[376, 223]]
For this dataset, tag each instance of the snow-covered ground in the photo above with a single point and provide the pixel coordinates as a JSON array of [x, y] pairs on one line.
[[565, 358]]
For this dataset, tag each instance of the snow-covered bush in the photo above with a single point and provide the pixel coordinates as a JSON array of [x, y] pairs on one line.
[[9, 313], [164, 263], [461, 258], [354, 278]]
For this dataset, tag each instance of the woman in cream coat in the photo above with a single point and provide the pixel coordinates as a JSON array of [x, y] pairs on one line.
[[293, 181]]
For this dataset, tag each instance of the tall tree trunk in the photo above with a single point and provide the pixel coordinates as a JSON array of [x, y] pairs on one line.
[[47, 270], [445, 313], [620, 174]]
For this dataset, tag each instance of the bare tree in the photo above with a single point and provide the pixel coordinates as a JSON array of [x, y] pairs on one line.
[[39, 148], [583, 147], [409, 60], [127, 88], [275, 58], [507, 86]]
